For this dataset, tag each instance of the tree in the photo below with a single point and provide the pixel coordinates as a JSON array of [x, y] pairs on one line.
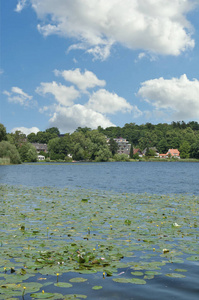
[[113, 146], [96, 143], [184, 149], [59, 148], [194, 150], [79, 146], [3, 135], [53, 131], [131, 152], [17, 138], [8, 150], [32, 138], [28, 153]]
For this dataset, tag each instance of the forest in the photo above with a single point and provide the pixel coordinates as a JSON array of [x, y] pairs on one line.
[[86, 144]]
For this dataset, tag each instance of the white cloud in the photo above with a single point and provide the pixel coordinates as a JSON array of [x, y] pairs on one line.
[[83, 81], [69, 119], [1, 71], [63, 94], [106, 102], [179, 97], [18, 96], [156, 26], [25, 130], [20, 5]]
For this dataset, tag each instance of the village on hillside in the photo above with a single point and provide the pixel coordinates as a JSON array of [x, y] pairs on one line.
[[124, 147]]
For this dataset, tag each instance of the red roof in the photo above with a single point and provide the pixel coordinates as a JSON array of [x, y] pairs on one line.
[[173, 152]]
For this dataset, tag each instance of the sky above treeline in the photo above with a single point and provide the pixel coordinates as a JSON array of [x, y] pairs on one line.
[[83, 63]]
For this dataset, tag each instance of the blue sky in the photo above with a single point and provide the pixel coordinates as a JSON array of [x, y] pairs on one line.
[[98, 63]]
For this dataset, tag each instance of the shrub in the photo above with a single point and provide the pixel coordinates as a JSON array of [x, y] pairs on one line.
[[9, 151]]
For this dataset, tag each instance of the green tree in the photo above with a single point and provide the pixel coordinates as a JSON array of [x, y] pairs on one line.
[[8, 150], [28, 153], [53, 131], [194, 150], [3, 135], [113, 146], [79, 145], [59, 148], [18, 138], [32, 138], [184, 149], [96, 143]]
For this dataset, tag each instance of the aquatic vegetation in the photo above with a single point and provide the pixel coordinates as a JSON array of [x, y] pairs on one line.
[[48, 235]]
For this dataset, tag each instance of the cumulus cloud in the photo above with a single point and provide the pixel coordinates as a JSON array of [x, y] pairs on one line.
[[180, 96], [69, 119], [18, 96], [63, 94], [106, 102], [156, 26], [26, 130], [83, 81], [67, 116], [20, 5]]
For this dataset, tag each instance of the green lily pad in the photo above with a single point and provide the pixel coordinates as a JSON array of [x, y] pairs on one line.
[[78, 279], [175, 275], [137, 273], [97, 287], [42, 295], [63, 284], [180, 270], [138, 281]]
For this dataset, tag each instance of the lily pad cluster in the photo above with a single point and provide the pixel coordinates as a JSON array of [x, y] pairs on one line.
[[47, 232]]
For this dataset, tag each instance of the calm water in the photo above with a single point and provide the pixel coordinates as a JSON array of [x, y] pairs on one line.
[[135, 177]]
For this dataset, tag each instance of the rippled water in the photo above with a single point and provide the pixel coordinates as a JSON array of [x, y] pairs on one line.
[[129, 177]]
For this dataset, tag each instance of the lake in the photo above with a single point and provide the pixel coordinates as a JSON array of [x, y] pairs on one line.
[[136, 221], [127, 177]]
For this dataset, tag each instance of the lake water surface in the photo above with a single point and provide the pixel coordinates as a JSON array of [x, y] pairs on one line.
[[127, 177], [161, 178]]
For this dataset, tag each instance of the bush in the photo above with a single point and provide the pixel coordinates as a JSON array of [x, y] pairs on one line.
[[121, 157], [28, 153], [9, 151]]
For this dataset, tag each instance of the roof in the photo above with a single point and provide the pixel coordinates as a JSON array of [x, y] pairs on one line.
[[136, 150], [173, 152]]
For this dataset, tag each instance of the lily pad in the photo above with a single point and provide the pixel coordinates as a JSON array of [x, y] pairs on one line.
[[97, 287], [42, 295], [63, 284], [175, 275], [78, 279]]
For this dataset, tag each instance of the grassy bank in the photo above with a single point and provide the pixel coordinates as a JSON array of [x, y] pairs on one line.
[[5, 161]]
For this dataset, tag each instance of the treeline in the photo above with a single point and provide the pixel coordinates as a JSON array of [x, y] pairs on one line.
[[91, 145], [14, 148], [177, 135]]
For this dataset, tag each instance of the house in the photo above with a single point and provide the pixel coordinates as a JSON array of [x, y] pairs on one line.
[[40, 147], [138, 151], [123, 146], [163, 155], [41, 157], [173, 153]]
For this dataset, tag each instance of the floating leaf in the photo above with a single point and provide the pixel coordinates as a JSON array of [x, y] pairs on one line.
[[137, 273], [78, 279], [175, 275], [42, 295], [97, 287], [63, 284]]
